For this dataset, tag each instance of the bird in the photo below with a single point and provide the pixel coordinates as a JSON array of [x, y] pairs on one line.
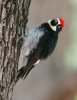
[[38, 45]]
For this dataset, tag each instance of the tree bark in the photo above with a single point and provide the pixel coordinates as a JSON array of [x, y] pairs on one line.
[[13, 20]]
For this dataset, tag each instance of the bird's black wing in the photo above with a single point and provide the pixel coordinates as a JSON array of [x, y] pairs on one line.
[[30, 43], [33, 58]]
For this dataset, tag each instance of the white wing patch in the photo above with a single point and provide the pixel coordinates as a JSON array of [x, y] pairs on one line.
[[37, 62]]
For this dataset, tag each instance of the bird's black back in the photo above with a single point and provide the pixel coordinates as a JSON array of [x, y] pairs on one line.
[[47, 42]]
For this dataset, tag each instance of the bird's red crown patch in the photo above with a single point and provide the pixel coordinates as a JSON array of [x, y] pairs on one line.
[[62, 22]]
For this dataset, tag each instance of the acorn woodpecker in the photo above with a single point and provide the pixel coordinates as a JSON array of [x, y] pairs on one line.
[[38, 44]]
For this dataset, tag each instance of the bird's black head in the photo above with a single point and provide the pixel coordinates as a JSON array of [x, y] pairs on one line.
[[56, 24]]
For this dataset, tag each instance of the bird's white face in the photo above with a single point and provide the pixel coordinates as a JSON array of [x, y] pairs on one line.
[[55, 24]]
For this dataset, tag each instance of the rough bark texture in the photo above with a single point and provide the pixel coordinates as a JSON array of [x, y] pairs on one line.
[[13, 20]]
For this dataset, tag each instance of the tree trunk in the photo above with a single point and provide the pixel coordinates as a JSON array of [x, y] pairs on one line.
[[13, 20]]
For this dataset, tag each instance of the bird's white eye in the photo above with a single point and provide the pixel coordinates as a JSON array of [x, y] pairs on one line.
[[54, 22]]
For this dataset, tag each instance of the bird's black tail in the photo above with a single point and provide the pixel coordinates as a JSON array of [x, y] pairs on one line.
[[20, 74], [23, 72]]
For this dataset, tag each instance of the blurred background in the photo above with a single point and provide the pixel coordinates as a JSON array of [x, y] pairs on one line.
[[38, 85]]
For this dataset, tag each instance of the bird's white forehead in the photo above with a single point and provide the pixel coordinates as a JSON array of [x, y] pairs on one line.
[[58, 20], [53, 27]]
